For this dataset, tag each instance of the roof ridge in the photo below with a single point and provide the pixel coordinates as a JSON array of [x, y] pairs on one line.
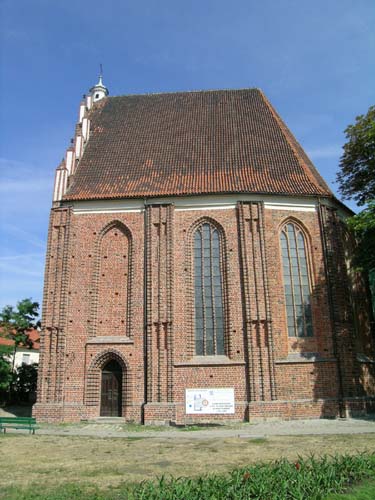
[[314, 176], [147, 94]]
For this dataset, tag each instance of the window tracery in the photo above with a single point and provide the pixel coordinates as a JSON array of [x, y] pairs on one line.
[[208, 291], [297, 288]]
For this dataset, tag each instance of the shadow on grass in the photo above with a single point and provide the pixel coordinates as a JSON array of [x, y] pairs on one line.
[[196, 427], [366, 418]]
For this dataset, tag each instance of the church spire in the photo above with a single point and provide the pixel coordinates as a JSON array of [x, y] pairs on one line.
[[99, 90]]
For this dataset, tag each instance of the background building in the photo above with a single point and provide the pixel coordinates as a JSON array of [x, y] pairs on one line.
[[27, 354], [198, 268]]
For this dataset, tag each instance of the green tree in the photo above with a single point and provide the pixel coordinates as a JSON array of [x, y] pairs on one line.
[[5, 369], [15, 322], [363, 225], [356, 180], [356, 177], [26, 381]]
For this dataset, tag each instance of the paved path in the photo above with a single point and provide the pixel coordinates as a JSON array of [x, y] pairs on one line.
[[257, 430], [244, 430]]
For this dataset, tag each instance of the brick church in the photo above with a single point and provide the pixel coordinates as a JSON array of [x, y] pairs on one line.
[[198, 269]]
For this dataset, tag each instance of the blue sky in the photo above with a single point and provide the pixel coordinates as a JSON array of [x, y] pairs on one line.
[[314, 60]]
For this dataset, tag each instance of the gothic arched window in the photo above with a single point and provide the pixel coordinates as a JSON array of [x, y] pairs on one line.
[[296, 281], [208, 292]]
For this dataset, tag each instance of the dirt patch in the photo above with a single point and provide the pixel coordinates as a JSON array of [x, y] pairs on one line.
[[52, 460]]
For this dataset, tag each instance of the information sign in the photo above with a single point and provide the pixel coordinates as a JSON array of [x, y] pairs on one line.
[[209, 401]]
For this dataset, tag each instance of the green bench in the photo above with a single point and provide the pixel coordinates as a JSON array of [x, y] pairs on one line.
[[18, 423]]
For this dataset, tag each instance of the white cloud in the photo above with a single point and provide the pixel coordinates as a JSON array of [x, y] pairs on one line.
[[22, 235], [19, 287], [24, 185], [21, 275], [14, 165], [25, 191], [22, 256], [28, 264], [19, 177], [8, 268]]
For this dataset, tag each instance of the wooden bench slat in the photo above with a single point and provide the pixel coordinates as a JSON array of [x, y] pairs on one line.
[[15, 426], [19, 419]]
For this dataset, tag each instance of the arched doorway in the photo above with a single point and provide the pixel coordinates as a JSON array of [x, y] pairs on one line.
[[111, 390]]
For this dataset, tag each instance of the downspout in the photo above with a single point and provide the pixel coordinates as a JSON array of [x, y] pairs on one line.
[[145, 298]]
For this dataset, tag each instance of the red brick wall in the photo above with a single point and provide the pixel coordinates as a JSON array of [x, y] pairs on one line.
[[119, 286], [113, 283]]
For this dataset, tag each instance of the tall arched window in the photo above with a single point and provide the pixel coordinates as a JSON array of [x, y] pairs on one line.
[[296, 281], [208, 288]]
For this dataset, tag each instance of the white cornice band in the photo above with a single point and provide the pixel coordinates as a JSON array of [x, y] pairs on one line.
[[191, 203]]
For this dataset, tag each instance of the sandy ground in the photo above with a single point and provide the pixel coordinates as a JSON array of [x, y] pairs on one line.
[[107, 454], [260, 429], [51, 459]]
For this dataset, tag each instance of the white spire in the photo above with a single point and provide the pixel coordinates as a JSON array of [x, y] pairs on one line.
[[99, 90]]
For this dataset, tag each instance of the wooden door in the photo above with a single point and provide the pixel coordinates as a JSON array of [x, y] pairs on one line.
[[111, 391]]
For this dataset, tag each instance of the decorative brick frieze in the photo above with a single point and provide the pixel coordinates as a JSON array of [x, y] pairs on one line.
[[159, 301], [51, 381], [257, 313]]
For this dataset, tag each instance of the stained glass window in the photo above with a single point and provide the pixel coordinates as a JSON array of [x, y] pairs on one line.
[[296, 282], [209, 317]]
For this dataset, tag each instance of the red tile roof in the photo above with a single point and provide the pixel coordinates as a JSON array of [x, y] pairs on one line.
[[221, 141], [33, 335], [6, 341]]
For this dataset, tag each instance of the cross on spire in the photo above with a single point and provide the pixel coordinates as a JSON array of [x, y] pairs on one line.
[[99, 90]]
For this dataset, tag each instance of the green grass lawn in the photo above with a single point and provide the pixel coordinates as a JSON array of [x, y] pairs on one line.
[[55, 467], [365, 491], [305, 479]]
